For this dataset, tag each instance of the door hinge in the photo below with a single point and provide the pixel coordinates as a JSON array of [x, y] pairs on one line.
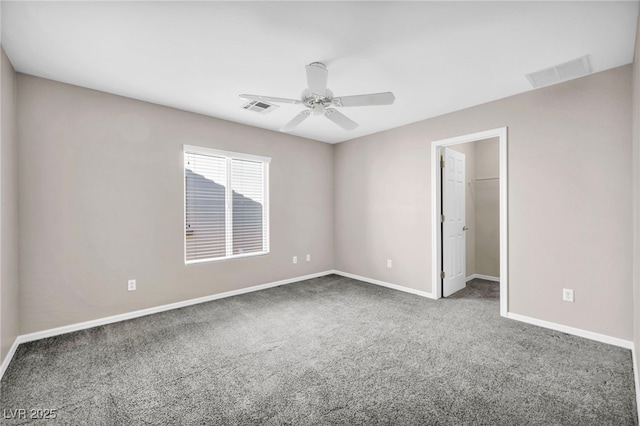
[[442, 162], [442, 218], [442, 274]]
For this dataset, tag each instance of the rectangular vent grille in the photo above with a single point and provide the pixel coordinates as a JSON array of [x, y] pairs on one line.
[[261, 107], [559, 73]]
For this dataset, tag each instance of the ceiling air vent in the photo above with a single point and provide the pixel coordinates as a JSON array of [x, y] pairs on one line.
[[559, 73], [259, 106]]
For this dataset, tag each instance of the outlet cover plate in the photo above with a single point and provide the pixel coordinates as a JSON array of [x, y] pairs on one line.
[[131, 285], [567, 295]]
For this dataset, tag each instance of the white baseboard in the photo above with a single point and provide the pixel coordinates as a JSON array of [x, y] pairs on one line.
[[7, 359], [143, 312], [385, 284], [627, 344], [483, 277]]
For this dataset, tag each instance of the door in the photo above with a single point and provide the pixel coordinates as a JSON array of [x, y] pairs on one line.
[[453, 226]]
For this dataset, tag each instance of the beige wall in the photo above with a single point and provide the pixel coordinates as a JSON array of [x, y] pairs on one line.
[[8, 208], [569, 159], [487, 208], [106, 171], [636, 203], [101, 201]]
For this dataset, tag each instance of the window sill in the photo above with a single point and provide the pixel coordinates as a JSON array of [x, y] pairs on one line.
[[220, 259]]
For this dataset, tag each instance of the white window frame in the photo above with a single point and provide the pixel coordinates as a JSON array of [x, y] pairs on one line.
[[228, 155]]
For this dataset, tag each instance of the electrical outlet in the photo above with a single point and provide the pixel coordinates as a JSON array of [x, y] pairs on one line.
[[295, 259], [567, 295], [308, 258], [389, 263], [131, 285]]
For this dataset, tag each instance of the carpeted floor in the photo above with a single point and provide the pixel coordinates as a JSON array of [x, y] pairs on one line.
[[325, 351], [479, 289]]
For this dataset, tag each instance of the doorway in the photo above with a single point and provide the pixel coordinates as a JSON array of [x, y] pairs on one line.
[[441, 229]]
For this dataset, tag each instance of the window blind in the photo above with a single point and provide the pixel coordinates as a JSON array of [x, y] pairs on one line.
[[226, 201], [248, 204]]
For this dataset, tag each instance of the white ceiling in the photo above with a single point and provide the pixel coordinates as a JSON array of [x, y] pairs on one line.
[[437, 57]]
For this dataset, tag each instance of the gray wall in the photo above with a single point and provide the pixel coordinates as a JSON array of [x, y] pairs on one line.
[[101, 201], [569, 155], [8, 208]]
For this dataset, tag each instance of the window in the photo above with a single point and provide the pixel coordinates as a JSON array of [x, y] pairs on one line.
[[226, 204]]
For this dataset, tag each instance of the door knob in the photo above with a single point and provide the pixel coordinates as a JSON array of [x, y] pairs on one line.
[[465, 228]]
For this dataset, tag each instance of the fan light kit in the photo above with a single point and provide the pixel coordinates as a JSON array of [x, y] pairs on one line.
[[319, 100]]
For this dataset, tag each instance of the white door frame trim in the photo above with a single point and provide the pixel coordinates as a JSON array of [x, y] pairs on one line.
[[436, 200]]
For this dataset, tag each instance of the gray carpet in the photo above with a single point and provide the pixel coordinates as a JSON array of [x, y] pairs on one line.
[[479, 289], [325, 351]]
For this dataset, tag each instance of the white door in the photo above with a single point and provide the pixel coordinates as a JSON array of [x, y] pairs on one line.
[[453, 227]]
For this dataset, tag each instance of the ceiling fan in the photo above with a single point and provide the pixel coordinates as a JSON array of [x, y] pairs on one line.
[[319, 100]]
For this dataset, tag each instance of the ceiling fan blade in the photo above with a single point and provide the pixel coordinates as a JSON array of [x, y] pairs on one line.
[[317, 75], [296, 120], [270, 99], [370, 99], [340, 119]]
